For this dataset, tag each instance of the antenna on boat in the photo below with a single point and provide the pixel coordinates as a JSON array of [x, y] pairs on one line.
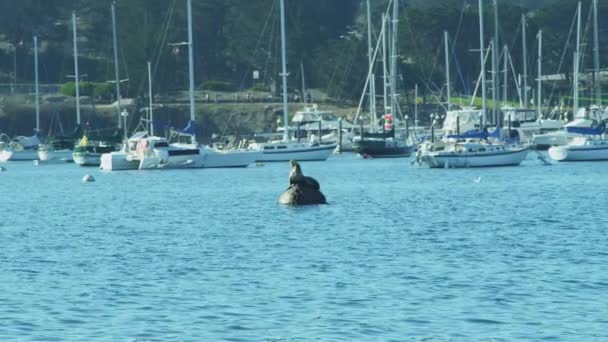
[[370, 52], [150, 113], [540, 64], [191, 67], [76, 75], [116, 73], [525, 49], [447, 68], [284, 73], [495, 66], [577, 56], [596, 57], [482, 59], [36, 84]]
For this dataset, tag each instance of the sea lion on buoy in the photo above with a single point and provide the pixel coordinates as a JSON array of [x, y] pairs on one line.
[[302, 189], [297, 177]]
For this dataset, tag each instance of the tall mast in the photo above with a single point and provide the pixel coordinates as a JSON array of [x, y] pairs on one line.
[[525, 46], [415, 106], [596, 57], [191, 66], [505, 74], [370, 52], [384, 68], [150, 113], [284, 71], [495, 66], [303, 82], [76, 75], [577, 56], [37, 89], [116, 74], [540, 73], [482, 59], [447, 68], [394, 58]]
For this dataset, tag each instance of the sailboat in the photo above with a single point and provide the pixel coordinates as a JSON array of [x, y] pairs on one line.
[[90, 148], [288, 148], [60, 147], [390, 142], [152, 152], [473, 148], [591, 142], [24, 148]]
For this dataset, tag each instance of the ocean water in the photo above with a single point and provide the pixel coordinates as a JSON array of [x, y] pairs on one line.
[[401, 253]]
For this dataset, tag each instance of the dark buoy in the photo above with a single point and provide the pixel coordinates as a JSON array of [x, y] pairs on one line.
[[302, 190], [88, 178], [2, 169]]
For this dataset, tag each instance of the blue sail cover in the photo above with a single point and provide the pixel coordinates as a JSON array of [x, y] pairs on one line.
[[496, 134], [598, 130], [190, 128], [474, 134]]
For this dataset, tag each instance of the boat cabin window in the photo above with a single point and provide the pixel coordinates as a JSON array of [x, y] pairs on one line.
[[269, 147], [482, 150], [282, 147], [161, 144]]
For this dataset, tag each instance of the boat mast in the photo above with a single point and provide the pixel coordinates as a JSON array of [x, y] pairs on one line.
[[384, 68], [37, 89], [284, 71], [447, 68], [116, 73], [191, 67], [150, 113], [370, 52], [540, 64], [393, 52], [303, 82], [415, 107], [596, 57], [577, 56], [495, 66], [482, 59], [505, 75], [525, 75], [76, 76]]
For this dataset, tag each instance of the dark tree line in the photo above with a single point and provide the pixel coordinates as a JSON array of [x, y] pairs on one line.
[[232, 38]]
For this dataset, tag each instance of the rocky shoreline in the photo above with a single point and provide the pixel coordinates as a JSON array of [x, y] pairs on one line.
[[217, 114]]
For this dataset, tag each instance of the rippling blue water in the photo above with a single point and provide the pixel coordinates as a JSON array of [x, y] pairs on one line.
[[401, 253]]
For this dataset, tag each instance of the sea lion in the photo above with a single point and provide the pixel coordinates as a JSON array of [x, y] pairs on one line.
[[302, 189], [296, 177]]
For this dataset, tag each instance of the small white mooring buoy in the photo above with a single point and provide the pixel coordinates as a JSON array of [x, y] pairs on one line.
[[88, 178]]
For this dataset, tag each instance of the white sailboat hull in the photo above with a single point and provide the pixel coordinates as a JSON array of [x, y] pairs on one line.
[[303, 153], [60, 156], [11, 155], [461, 160], [578, 153], [118, 161], [547, 140], [87, 159], [229, 159]]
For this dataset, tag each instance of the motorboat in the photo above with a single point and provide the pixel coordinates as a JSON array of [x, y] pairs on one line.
[[584, 119], [592, 145], [20, 148]]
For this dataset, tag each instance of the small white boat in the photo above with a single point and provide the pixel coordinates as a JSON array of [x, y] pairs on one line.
[[280, 151], [581, 149], [19, 149], [472, 154], [583, 119], [47, 154]]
